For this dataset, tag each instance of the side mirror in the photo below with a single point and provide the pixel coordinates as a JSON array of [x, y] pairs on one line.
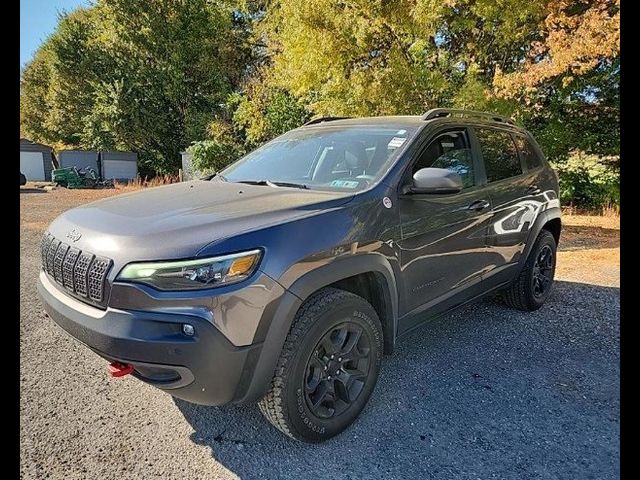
[[434, 180]]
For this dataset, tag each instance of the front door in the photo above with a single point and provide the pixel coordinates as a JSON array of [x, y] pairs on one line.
[[443, 236]]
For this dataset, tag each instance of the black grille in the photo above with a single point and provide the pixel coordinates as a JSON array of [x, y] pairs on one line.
[[97, 274], [46, 241], [57, 261], [67, 267], [53, 246], [81, 273]]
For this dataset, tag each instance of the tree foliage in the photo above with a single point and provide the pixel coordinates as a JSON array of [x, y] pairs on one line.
[[568, 83], [363, 57], [262, 112], [142, 75], [217, 151], [34, 94], [155, 76], [578, 37], [589, 180]]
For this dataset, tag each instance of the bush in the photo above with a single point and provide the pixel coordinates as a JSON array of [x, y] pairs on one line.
[[589, 181], [264, 113], [215, 153]]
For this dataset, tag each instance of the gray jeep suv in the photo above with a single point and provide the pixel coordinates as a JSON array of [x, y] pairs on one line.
[[283, 278]]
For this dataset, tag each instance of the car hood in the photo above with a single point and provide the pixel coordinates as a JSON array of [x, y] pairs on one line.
[[176, 221]]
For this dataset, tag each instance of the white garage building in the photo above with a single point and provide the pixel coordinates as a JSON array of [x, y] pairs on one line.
[[36, 161], [80, 159], [119, 165], [109, 165]]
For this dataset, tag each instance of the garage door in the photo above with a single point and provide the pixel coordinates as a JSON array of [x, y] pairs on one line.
[[32, 165], [79, 159], [119, 169]]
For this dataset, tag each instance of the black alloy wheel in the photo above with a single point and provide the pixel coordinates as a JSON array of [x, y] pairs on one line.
[[338, 370], [543, 270], [534, 283]]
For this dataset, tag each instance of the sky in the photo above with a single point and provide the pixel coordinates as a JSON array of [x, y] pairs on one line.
[[38, 20]]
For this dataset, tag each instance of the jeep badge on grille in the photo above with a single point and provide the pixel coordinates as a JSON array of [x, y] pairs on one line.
[[74, 235]]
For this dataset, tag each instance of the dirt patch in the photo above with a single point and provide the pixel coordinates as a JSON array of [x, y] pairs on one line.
[[581, 232], [589, 250], [38, 207]]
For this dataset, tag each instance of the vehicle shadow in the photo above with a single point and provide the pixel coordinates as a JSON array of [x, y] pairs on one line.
[[485, 392], [32, 190]]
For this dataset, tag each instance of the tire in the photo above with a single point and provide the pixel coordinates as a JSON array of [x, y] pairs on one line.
[[525, 293], [321, 321]]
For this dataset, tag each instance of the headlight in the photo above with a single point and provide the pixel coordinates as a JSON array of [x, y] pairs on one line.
[[193, 274]]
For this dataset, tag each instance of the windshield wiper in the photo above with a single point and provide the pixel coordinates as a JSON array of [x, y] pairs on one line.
[[292, 185], [213, 175], [270, 183]]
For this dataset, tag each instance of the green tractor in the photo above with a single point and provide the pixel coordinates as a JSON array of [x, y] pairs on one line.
[[71, 177]]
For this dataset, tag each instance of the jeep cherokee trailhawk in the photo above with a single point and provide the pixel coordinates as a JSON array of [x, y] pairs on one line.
[[283, 278]]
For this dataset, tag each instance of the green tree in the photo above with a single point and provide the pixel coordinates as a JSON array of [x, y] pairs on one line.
[[144, 75], [220, 148], [569, 80], [552, 64], [377, 57], [55, 88], [590, 181], [262, 112], [34, 93]]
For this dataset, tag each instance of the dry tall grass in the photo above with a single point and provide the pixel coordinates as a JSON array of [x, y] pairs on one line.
[[145, 182], [605, 211]]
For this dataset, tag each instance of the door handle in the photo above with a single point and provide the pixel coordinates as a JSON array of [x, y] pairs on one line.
[[534, 189], [479, 205]]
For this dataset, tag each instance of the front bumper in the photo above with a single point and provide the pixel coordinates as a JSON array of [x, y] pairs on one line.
[[204, 368]]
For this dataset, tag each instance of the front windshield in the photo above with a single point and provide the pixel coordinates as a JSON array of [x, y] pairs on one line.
[[326, 158]]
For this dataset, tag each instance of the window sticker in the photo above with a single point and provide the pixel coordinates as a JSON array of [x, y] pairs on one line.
[[396, 142], [401, 132], [345, 184]]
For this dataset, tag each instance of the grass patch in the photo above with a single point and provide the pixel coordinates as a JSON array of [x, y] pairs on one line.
[[140, 183]]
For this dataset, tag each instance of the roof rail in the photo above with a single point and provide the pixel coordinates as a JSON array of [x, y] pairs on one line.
[[323, 119], [446, 112]]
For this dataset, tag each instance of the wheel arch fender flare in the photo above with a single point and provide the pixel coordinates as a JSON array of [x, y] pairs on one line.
[[351, 266], [279, 316], [542, 219]]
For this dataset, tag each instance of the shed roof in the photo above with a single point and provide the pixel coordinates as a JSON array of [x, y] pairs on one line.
[[26, 144]]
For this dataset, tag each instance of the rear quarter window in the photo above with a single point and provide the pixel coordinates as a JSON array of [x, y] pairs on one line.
[[528, 153], [499, 153]]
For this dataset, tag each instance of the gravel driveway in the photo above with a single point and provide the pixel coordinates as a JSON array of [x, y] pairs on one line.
[[484, 393]]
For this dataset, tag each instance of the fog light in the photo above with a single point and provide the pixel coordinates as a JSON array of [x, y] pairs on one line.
[[188, 329]]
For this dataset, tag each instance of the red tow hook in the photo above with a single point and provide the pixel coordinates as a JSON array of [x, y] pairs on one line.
[[117, 369]]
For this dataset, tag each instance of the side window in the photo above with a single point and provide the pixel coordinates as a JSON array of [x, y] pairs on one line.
[[528, 153], [450, 150], [499, 152]]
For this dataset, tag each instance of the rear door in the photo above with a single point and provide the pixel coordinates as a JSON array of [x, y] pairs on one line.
[[513, 190]]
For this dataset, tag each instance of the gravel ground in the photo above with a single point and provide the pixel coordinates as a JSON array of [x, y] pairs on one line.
[[483, 393]]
